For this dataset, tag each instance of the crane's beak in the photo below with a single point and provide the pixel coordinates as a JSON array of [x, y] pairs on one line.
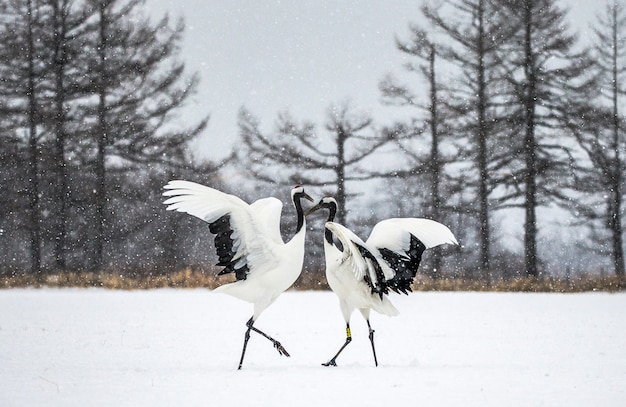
[[308, 197], [313, 209]]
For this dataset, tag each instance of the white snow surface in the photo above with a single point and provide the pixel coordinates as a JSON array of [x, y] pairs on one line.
[[78, 347]]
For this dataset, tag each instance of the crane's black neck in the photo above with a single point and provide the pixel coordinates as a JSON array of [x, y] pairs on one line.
[[332, 211], [298, 204]]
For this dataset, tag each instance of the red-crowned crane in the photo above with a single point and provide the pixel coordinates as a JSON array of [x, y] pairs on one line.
[[248, 244], [362, 273]]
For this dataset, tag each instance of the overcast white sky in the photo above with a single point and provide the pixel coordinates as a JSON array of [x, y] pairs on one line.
[[301, 56]]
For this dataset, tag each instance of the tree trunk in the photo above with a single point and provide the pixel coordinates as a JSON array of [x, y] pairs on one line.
[[33, 177], [435, 162], [341, 168], [530, 151], [483, 191], [59, 145], [615, 217], [100, 188]]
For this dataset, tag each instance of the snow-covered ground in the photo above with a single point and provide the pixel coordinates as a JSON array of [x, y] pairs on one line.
[[78, 347]]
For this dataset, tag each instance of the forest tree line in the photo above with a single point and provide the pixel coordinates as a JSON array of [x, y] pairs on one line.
[[510, 114]]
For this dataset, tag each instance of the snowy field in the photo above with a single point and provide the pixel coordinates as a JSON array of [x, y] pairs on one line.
[[79, 347]]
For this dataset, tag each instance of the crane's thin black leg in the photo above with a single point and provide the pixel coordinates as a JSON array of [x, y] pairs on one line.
[[281, 350], [245, 342], [372, 341], [277, 344], [333, 362]]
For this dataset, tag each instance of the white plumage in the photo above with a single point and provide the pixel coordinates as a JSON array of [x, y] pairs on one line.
[[362, 273], [248, 243]]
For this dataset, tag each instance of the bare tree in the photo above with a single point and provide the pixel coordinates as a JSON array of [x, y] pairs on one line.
[[426, 167], [297, 153], [431, 164]]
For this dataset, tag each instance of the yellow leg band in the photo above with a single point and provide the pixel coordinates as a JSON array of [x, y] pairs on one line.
[[348, 334]]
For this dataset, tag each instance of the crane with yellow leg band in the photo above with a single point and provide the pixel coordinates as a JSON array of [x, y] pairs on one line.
[[362, 273]]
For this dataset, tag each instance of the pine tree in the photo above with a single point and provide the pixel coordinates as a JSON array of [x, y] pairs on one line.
[[475, 34], [601, 135], [139, 86], [24, 59], [63, 37], [550, 81], [89, 94]]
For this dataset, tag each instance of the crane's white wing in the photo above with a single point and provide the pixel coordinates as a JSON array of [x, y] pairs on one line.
[[401, 241], [243, 239], [358, 258], [394, 234], [267, 213], [201, 201]]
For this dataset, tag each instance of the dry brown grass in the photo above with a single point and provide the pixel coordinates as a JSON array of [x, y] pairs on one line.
[[195, 278], [186, 278], [524, 284]]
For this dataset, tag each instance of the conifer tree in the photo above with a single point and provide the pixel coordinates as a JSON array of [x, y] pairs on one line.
[[550, 80], [601, 135]]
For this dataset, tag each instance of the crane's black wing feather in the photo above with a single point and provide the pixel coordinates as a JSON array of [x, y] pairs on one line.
[[224, 245], [376, 281], [405, 266]]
